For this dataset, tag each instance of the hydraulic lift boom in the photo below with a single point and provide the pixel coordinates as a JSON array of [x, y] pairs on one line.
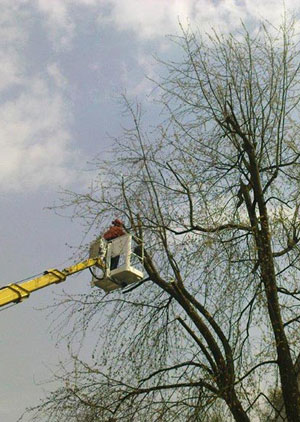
[[110, 279], [16, 292]]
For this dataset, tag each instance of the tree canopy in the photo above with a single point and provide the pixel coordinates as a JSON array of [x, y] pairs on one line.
[[213, 191]]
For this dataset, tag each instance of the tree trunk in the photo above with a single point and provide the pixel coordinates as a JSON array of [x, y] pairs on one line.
[[236, 408], [287, 371], [226, 370], [288, 377]]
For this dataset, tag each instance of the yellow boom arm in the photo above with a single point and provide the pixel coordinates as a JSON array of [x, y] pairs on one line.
[[16, 292]]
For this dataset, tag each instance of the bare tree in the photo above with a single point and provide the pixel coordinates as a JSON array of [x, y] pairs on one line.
[[214, 193]]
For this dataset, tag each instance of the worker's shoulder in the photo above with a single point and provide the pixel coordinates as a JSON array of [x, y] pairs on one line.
[[113, 232]]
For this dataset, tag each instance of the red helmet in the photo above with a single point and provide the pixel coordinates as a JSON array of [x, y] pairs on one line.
[[117, 222]]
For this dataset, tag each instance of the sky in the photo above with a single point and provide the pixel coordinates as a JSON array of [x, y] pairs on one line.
[[63, 64]]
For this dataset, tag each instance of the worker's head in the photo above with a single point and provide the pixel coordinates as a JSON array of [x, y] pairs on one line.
[[117, 222]]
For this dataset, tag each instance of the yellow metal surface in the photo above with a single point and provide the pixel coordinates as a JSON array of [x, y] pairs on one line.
[[20, 291]]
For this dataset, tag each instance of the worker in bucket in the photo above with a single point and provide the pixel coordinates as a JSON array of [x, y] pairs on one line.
[[116, 230]]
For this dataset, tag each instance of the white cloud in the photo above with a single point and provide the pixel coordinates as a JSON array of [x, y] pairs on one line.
[[12, 40], [59, 22], [150, 19], [155, 18], [10, 69], [57, 76], [35, 140]]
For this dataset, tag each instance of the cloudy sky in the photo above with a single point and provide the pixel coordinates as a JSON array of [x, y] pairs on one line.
[[63, 64]]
